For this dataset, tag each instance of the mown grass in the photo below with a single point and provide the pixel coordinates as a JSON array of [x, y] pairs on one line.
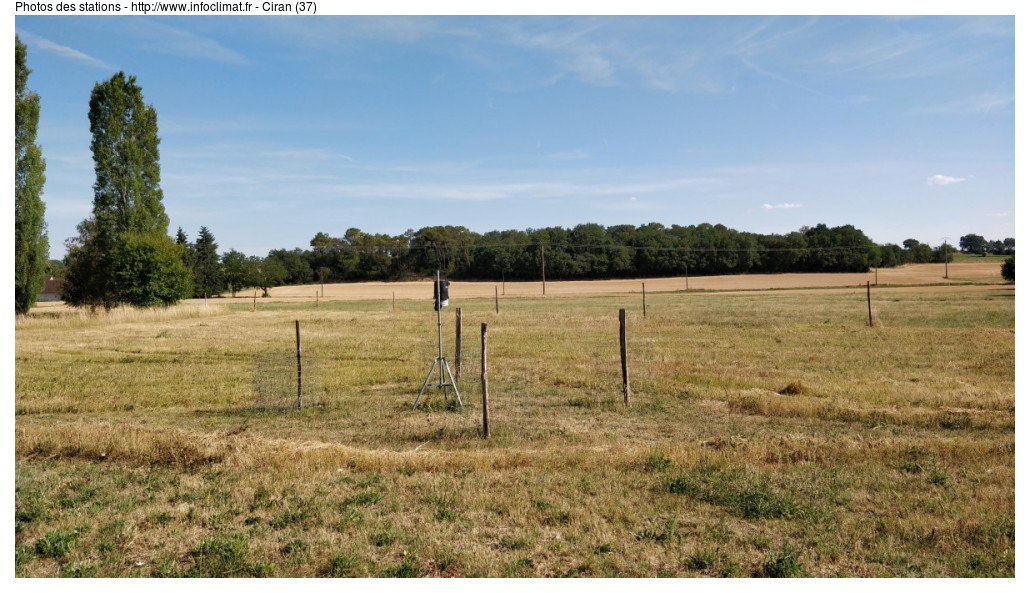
[[769, 434]]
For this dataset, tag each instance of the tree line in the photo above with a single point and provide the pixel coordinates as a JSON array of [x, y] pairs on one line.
[[978, 245], [585, 252]]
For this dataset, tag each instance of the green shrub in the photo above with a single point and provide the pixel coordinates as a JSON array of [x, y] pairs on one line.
[[1008, 269]]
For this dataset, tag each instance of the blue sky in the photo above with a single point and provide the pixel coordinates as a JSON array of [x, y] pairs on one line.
[[276, 128]]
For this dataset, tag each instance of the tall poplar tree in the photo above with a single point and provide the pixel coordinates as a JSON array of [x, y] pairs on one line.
[[31, 247], [123, 253]]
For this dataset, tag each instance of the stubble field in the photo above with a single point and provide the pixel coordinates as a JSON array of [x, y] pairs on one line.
[[769, 433]]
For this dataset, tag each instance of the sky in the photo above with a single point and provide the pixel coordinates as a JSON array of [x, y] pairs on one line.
[[275, 128]]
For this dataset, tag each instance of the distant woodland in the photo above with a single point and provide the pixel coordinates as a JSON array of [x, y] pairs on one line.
[[585, 252]]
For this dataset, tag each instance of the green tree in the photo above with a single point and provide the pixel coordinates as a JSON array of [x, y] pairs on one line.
[[1008, 269], [208, 278], [944, 253], [298, 271], [128, 218], [973, 244], [127, 196], [891, 256], [86, 268], [839, 249], [916, 252], [265, 273], [150, 270], [237, 269], [31, 247]]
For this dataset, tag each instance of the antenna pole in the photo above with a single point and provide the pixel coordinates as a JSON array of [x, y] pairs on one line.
[[439, 325]]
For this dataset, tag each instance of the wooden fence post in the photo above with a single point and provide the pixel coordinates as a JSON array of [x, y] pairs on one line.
[[484, 382], [300, 388], [497, 301], [543, 270], [457, 343], [643, 294], [622, 352], [869, 302]]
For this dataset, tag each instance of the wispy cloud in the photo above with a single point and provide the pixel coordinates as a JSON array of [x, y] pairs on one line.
[[164, 39], [540, 189], [781, 206], [62, 50], [944, 180], [980, 103]]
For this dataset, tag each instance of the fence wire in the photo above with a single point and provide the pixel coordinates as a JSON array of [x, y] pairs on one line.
[[523, 374], [279, 384]]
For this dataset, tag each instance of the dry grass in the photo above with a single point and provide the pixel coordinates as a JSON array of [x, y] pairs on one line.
[[139, 451]]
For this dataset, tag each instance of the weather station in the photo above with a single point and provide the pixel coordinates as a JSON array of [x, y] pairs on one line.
[[440, 366]]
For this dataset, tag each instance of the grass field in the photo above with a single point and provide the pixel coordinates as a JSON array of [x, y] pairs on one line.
[[770, 433]]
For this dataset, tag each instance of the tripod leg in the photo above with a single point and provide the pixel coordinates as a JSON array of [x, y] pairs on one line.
[[425, 383], [454, 384]]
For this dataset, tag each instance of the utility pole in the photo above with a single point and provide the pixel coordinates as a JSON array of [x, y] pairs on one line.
[[543, 269]]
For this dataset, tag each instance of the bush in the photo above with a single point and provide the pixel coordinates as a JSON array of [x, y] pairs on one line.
[[1008, 269], [149, 270]]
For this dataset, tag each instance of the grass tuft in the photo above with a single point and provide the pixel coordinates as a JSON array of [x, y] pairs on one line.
[[783, 564]]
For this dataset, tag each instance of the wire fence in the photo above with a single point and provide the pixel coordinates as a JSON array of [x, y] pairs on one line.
[[283, 381], [524, 375]]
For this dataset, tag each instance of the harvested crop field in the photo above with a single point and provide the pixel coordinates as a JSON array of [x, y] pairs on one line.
[[959, 273]]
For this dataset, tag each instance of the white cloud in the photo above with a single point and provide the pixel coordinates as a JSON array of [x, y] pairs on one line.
[[944, 180], [62, 50], [780, 206]]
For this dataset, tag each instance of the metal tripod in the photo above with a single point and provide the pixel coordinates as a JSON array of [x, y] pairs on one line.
[[440, 361]]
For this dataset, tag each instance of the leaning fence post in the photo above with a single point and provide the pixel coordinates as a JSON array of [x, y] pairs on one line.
[[484, 383], [622, 352]]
